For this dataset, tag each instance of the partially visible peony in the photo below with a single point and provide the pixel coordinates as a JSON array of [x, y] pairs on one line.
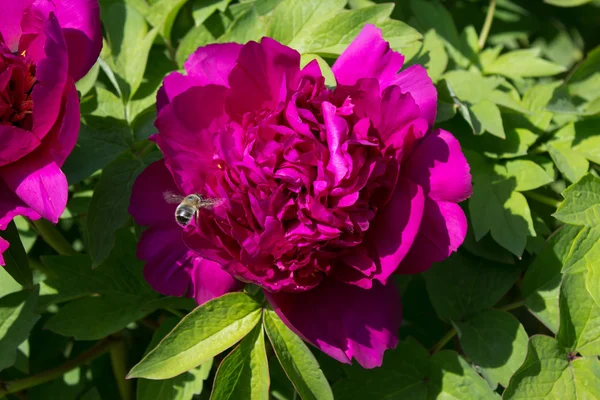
[[327, 192], [45, 46]]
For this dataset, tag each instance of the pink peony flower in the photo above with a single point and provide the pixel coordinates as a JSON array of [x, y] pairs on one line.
[[45, 46], [326, 192]]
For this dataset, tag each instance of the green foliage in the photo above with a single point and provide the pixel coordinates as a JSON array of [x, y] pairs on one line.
[[514, 314]]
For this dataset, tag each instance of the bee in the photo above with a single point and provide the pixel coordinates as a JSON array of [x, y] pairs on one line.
[[189, 206]]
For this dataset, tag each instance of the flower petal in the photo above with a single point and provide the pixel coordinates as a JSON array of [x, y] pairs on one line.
[[368, 56], [41, 185], [173, 85], [10, 24], [186, 127], [212, 64], [148, 205], [394, 229], [3, 246], [15, 143], [443, 230], [344, 321], [11, 206], [439, 166], [414, 80], [209, 281]]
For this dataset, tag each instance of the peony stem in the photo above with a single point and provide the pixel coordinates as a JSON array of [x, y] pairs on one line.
[[487, 25], [53, 237], [549, 201], [46, 376], [452, 332], [118, 359]]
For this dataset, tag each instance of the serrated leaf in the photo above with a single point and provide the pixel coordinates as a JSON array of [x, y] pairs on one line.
[[582, 203], [496, 207], [202, 334], [579, 317], [17, 318], [496, 342], [523, 63], [296, 359], [15, 257], [292, 21], [548, 373], [108, 208], [244, 28], [182, 387], [541, 283], [332, 37], [476, 285], [244, 373]]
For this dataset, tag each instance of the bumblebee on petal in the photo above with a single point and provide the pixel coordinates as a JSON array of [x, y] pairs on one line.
[[189, 206]]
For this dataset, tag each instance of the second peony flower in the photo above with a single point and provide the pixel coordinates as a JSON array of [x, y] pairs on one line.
[[324, 192]]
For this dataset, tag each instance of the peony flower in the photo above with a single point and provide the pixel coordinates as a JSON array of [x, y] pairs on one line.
[[326, 192], [45, 46]]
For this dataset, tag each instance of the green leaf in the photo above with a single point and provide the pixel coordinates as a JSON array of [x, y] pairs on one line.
[[325, 68], [579, 317], [162, 14], [196, 37], [497, 207], [548, 373], [333, 36], [293, 21], [527, 174], [244, 28], [201, 335], [471, 87], [567, 3], [585, 251], [203, 9], [296, 359], [85, 84], [129, 43], [477, 284], [410, 373], [15, 257], [432, 55], [541, 283], [585, 82], [17, 318], [489, 117], [96, 317], [244, 373], [181, 387], [496, 342], [572, 164], [582, 203], [524, 63], [8, 284], [108, 208]]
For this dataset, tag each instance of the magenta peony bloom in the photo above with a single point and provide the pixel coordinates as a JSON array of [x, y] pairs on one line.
[[326, 192], [45, 46]]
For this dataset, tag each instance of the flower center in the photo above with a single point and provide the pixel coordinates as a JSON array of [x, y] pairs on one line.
[[17, 79]]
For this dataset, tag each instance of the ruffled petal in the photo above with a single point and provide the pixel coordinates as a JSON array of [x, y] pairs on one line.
[[186, 127], [10, 23], [262, 76], [414, 80], [15, 143], [148, 204], [344, 321], [440, 167], [394, 229], [173, 85], [442, 231], [3, 247], [368, 56], [212, 64]]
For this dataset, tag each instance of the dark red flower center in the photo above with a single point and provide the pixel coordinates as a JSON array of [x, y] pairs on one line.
[[17, 79]]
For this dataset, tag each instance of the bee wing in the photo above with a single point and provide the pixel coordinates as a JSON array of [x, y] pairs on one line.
[[172, 198], [210, 203]]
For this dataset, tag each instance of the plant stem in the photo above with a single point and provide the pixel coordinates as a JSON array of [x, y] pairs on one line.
[[118, 359], [549, 201], [46, 376], [487, 25], [175, 312], [512, 306], [53, 237], [443, 341]]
